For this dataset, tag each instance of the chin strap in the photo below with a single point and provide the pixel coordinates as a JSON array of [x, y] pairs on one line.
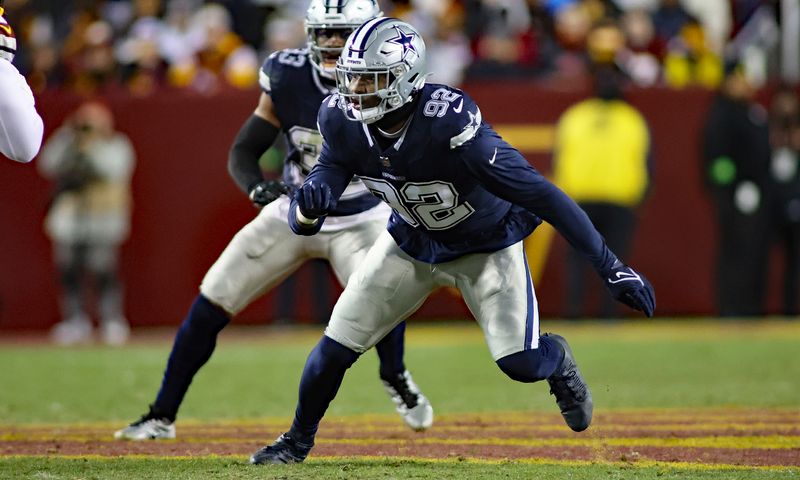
[[396, 116]]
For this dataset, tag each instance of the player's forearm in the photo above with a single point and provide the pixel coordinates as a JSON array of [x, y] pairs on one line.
[[556, 208], [254, 138], [560, 211]]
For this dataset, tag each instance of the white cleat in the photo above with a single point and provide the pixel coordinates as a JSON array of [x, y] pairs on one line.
[[410, 403], [115, 332], [73, 331], [147, 429]]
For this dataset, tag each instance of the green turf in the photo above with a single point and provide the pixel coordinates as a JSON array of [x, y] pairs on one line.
[[649, 365], [639, 364], [225, 468]]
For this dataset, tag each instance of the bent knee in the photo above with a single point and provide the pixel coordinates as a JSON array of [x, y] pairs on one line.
[[221, 296], [526, 366]]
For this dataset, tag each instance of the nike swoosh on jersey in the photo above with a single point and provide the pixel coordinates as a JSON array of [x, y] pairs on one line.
[[459, 107], [494, 157]]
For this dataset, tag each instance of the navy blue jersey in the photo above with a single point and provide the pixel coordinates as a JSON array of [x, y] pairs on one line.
[[288, 77], [454, 185]]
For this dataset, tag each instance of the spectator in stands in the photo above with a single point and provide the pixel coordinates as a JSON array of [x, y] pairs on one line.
[[715, 17], [223, 52], [90, 165], [602, 160], [441, 23], [138, 51], [641, 58], [736, 159], [572, 24], [669, 19], [502, 40], [93, 66], [785, 183], [690, 61]]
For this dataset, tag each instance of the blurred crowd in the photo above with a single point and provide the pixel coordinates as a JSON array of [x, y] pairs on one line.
[[92, 46]]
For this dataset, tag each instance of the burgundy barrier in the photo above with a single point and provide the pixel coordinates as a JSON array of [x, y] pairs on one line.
[[186, 207]]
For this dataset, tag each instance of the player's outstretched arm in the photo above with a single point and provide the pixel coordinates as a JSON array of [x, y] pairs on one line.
[[256, 135], [506, 173]]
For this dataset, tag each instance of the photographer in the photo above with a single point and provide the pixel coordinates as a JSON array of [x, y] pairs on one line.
[[90, 165]]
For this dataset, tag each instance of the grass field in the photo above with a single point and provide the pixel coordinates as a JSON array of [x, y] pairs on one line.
[[674, 399]]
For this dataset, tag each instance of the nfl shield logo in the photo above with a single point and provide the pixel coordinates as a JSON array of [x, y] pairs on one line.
[[385, 162]]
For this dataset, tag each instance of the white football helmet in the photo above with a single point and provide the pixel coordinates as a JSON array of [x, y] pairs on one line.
[[388, 56], [326, 17]]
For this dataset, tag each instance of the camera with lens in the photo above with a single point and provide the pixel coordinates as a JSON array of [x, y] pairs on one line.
[[83, 127]]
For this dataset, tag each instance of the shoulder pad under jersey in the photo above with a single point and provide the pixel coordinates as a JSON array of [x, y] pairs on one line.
[[278, 66]]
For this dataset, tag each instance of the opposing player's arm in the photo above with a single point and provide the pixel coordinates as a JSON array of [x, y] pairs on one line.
[[21, 127]]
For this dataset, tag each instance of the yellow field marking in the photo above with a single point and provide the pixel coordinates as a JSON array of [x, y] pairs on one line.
[[639, 331], [652, 418], [37, 433], [739, 443], [467, 332], [774, 442], [640, 464]]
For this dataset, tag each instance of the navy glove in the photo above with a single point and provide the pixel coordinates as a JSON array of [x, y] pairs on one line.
[[314, 199], [631, 288], [266, 192]]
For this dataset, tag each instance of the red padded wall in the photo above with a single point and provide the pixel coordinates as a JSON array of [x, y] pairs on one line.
[[186, 207]]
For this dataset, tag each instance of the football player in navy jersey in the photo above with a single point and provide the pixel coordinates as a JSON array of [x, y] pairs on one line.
[[264, 252], [463, 200]]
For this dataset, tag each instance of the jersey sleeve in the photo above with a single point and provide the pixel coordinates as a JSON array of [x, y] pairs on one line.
[[270, 73], [461, 120], [21, 126], [503, 171], [280, 69]]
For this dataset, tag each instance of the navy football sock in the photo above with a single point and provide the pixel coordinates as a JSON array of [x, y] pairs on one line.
[[390, 352], [322, 376], [193, 346], [530, 366]]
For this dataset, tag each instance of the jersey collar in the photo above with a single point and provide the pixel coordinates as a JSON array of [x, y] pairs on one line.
[[318, 82]]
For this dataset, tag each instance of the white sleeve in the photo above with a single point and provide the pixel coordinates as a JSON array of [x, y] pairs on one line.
[[21, 126]]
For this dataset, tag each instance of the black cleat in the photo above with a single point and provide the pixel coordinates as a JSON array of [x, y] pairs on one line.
[[572, 394], [284, 450]]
